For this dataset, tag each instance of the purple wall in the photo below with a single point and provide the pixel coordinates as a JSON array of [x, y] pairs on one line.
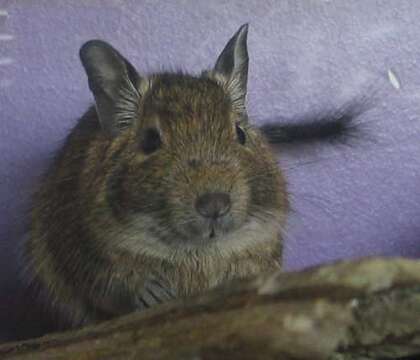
[[305, 57]]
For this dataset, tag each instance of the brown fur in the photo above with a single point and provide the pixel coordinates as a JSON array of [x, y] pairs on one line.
[[108, 216]]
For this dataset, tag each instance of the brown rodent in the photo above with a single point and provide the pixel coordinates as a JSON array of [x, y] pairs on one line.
[[163, 189]]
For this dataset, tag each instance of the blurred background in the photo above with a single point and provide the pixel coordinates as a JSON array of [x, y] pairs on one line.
[[308, 60]]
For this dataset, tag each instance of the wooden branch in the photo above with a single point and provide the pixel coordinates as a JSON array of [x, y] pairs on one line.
[[368, 309]]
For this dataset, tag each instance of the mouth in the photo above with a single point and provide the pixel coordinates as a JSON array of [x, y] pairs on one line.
[[212, 233], [207, 231], [215, 229]]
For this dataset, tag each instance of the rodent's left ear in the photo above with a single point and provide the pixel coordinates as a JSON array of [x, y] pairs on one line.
[[232, 65], [114, 83]]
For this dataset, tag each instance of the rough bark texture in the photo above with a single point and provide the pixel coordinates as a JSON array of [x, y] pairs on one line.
[[368, 309]]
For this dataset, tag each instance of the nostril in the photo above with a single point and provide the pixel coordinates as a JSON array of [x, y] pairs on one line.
[[213, 205]]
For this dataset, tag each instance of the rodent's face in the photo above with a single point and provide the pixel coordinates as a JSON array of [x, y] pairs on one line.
[[187, 168], [192, 170]]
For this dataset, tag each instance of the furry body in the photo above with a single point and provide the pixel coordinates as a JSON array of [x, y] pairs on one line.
[[115, 224]]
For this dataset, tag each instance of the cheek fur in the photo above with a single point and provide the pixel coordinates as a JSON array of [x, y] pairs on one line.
[[166, 193], [266, 183], [136, 188]]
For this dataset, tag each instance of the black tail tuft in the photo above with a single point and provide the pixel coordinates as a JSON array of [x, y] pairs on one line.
[[338, 126], [332, 129]]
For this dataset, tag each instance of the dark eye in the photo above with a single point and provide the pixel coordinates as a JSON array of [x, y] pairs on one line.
[[151, 141], [240, 135]]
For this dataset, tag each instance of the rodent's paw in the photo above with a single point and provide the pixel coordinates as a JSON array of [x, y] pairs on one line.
[[154, 292]]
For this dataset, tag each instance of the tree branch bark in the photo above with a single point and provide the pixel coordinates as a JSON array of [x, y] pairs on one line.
[[367, 309]]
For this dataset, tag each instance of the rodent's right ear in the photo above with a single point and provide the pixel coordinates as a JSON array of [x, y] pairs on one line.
[[232, 65], [114, 83]]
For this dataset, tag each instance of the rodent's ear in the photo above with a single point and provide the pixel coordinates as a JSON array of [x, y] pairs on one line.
[[232, 65], [114, 83]]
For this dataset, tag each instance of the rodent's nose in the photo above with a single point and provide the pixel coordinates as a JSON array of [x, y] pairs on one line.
[[213, 205]]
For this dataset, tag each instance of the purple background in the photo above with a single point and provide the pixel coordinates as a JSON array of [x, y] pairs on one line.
[[306, 57]]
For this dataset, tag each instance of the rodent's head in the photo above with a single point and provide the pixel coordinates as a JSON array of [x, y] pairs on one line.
[[187, 166]]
